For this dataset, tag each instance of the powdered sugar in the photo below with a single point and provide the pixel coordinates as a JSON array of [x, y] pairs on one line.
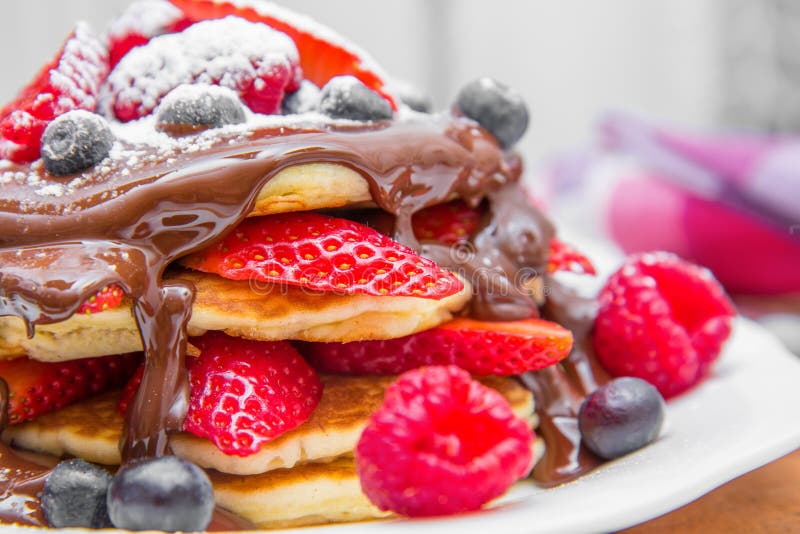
[[145, 17], [230, 52]]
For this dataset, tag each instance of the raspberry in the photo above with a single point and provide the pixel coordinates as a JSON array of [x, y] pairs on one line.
[[71, 81], [140, 22], [663, 320], [441, 443], [246, 393], [252, 59]]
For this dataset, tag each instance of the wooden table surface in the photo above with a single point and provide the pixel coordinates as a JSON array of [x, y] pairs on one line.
[[764, 500]]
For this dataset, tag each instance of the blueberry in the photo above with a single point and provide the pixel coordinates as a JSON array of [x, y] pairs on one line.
[[345, 97], [166, 493], [204, 106], [497, 108], [75, 141], [624, 415], [74, 495], [304, 100], [412, 97]]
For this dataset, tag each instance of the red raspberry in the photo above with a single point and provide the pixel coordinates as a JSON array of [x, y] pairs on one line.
[[140, 22], [254, 60], [663, 320], [246, 393], [71, 81], [441, 443]]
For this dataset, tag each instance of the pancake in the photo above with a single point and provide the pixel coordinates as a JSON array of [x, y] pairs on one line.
[[91, 429], [240, 309]]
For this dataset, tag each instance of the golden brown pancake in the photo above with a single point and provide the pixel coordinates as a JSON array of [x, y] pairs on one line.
[[240, 309]]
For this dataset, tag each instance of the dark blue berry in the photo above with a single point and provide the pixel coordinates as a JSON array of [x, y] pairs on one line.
[[75, 142], [166, 493], [205, 106], [74, 495], [496, 107], [624, 415], [304, 100], [345, 97], [412, 97]]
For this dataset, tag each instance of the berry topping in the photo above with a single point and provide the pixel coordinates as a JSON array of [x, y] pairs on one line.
[[140, 22], [564, 257], [663, 320], [496, 107], [304, 100], [324, 253], [108, 298], [255, 61], [75, 141], [449, 223], [323, 53], [482, 348], [74, 495], [167, 493], [36, 388], [246, 393], [345, 97], [441, 443], [71, 81], [200, 107], [130, 389], [620, 417]]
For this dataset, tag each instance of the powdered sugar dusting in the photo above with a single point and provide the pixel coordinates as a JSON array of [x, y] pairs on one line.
[[230, 52], [145, 17]]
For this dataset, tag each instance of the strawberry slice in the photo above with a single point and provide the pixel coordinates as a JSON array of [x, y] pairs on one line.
[[130, 389], [108, 298], [36, 388], [565, 257], [140, 22], [324, 253], [482, 348], [449, 223], [246, 393], [323, 53], [71, 81]]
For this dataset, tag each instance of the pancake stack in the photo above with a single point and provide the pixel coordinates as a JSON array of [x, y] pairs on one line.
[[134, 253]]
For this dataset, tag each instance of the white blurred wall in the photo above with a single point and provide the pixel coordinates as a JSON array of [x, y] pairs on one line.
[[572, 59]]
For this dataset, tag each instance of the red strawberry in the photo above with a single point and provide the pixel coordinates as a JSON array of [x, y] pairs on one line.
[[71, 81], [142, 21], [323, 53], [482, 348], [663, 320], [246, 393], [257, 62], [107, 298], [324, 253], [449, 223], [37, 388], [441, 443], [564, 257], [130, 389]]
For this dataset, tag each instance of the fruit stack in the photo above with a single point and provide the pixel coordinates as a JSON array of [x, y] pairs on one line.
[[264, 286]]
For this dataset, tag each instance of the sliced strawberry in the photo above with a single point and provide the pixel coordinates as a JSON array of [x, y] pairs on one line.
[[71, 81], [449, 223], [324, 253], [565, 257], [142, 21], [130, 389], [36, 388], [108, 298], [246, 393], [482, 348], [323, 53]]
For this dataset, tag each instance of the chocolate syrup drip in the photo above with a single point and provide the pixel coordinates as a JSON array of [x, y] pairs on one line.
[[124, 225]]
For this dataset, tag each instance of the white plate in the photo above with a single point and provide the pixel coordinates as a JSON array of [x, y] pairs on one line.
[[741, 418]]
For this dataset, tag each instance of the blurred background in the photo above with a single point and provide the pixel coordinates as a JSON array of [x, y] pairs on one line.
[[690, 67]]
